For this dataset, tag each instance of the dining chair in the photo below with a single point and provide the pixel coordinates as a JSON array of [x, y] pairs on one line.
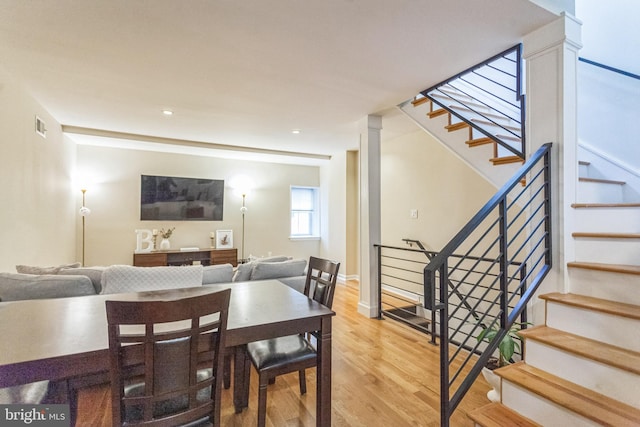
[[165, 356], [282, 355]]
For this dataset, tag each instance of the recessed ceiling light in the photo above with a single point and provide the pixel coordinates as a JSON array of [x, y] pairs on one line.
[[167, 112], [296, 131]]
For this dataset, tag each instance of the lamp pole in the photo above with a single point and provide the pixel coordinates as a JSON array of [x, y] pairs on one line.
[[243, 209], [84, 211]]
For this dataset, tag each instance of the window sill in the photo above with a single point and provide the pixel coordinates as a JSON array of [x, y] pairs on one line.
[[300, 238]]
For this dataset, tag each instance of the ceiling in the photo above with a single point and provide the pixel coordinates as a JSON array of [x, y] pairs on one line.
[[243, 74]]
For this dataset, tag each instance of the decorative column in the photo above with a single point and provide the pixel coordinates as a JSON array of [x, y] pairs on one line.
[[370, 223], [551, 58]]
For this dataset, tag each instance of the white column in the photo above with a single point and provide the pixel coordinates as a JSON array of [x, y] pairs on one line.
[[551, 55], [369, 213]]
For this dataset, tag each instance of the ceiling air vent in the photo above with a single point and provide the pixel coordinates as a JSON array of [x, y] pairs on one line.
[[41, 127]]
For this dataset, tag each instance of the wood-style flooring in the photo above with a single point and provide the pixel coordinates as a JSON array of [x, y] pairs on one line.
[[383, 373]]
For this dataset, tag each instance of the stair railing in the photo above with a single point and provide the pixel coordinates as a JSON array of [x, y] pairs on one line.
[[513, 231], [489, 93], [400, 285]]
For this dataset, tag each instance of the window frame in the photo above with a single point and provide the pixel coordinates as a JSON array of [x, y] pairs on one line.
[[315, 213]]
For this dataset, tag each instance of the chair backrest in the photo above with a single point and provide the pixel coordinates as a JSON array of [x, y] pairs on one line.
[[156, 366], [321, 280]]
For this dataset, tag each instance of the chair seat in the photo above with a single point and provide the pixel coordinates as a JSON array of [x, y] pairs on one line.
[[275, 353]]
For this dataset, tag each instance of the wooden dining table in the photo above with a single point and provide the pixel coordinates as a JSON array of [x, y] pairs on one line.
[[66, 339]]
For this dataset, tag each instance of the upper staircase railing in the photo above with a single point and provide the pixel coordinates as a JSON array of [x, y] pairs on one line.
[[497, 262], [489, 98]]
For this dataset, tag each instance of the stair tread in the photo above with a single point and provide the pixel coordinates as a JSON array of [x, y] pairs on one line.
[[419, 101], [613, 268], [607, 235], [605, 205], [631, 311], [506, 159], [601, 181], [436, 113], [497, 415], [581, 400], [457, 126], [608, 354], [480, 141]]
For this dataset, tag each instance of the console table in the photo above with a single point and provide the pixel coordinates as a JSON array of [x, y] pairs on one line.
[[201, 256]]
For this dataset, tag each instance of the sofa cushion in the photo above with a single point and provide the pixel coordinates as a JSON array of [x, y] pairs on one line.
[[221, 273], [16, 286], [32, 269], [296, 282], [93, 273], [275, 270], [125, 278], [275, 258], [243, 272]]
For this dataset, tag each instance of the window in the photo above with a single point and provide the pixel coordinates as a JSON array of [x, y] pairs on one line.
[[305, 216]]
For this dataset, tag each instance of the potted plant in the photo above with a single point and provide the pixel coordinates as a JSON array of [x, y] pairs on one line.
[[506, 349]]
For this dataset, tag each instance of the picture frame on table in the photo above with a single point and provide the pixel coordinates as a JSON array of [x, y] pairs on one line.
[[224, 239]]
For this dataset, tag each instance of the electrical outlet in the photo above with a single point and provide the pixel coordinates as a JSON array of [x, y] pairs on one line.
[[413, 213]]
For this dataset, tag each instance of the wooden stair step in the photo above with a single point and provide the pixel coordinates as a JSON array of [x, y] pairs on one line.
[[437, 113], [608, 354], [419, 101], [605, 205], [506, 160], [497, 415], [583, 401], [480, 141], [457, 126], [615, 308], [612, 268], [601, 181], [580, 234]]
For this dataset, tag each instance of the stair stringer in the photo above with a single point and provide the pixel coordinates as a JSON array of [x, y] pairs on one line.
[[476, 158]]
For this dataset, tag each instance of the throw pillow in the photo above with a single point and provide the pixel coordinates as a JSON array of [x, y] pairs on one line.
[[93, 273], [29, 269], [221, 273], [243, 272], [16, 286], [275, 270]]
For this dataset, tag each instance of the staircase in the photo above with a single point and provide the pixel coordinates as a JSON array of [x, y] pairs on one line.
[[582, 368], [485, 104]]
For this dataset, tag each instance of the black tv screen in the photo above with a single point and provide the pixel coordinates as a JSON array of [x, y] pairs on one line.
[[167, 198]]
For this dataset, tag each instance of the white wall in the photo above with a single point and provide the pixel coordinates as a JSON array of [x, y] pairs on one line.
[[333, 230], [37, 210], [114, 200], [419, 173]]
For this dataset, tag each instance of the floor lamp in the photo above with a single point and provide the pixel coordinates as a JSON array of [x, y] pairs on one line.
[[84, 211], [243, 210]]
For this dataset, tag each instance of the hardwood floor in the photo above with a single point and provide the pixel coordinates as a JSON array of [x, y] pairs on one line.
[[384, 374]]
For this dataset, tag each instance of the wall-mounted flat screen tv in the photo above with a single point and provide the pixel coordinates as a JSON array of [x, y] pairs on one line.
[[168, 198]]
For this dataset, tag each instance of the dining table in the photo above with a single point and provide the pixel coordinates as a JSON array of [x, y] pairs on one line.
[[65, 339]]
